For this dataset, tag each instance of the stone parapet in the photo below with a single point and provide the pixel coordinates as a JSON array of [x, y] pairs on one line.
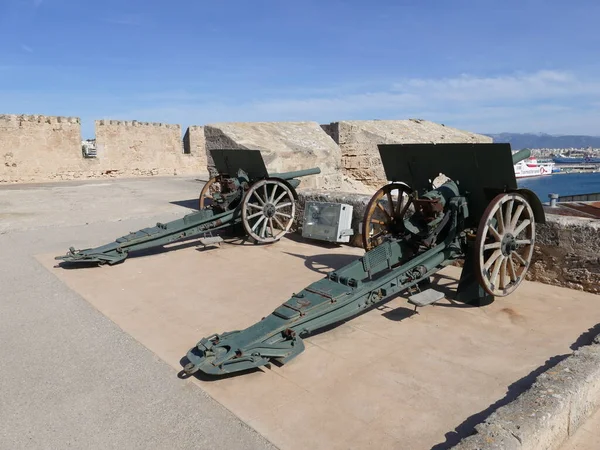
[[127, 147], [548, 413], [135, 123], [21, 119], [358, 140], [36, 147], [285, 147], [567, 253], [194, 143]]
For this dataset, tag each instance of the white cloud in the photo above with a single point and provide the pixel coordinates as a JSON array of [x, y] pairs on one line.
[[545, 84], [26, 48], [546, 101], [37, 3], [555, 102]]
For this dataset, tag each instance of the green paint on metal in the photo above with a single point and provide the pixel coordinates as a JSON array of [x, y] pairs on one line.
[[439, 232], [224, 212]]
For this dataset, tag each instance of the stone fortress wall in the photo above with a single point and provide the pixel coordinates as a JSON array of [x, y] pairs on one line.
[[194, 143], [358, 141], [141, 148], [285, 147], [35, 148]]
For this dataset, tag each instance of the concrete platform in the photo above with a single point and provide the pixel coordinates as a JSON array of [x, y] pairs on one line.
[[386, 379], [70, 377], [587, 437]]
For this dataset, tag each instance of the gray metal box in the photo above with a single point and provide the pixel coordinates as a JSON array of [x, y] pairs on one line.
[[327, 221]]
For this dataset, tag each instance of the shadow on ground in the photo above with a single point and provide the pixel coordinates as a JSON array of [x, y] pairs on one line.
[[210, 378], [190, 204], [296, 236], [467, 428], [191, 242], [233, 235], [326, 262]]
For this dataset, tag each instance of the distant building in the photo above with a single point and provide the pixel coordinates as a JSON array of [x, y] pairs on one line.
[[88, 148]]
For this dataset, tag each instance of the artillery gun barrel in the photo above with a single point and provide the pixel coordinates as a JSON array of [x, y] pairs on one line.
[[296, 174], [521, 155]]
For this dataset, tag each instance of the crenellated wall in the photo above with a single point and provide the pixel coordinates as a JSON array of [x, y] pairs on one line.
[[142, 148], [194, 143], [43, 148], [36, 147]]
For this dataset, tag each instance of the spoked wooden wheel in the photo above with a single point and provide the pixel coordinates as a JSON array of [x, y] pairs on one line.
[[207, 192], [504, 244], [385, 214], [268, 210]]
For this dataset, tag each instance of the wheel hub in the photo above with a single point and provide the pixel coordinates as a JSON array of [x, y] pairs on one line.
[[269, 210], [508, 244]]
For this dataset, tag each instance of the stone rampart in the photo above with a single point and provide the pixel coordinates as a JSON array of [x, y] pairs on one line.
[[194, 144], [550, 412], [358, 141], [568, 253], [142, 148], [41, 148], [35, 148], [285, 146], [45, 148]]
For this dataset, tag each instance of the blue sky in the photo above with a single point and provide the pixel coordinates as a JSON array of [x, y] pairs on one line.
[[480, 65]]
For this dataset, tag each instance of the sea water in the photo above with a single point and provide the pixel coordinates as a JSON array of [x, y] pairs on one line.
[[562, 184]]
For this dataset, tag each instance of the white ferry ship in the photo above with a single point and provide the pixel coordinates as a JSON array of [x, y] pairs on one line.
[[531, 168]]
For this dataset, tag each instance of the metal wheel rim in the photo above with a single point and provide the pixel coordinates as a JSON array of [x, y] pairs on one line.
[[507, 222], [268, 211], [371, 238], [205, 193]]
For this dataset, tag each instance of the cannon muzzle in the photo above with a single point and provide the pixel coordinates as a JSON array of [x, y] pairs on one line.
[[521, 155], [296, 174]]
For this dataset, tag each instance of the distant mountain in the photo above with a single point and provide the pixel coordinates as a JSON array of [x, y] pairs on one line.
[[540, 140]]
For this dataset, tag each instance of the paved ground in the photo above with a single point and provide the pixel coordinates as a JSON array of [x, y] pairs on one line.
[[383, 380], [71, 378], [84, 349], [587, 437]]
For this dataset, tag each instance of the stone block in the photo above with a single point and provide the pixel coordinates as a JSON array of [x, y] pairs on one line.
[[36, 147], [132, 148], [546, 415], [358, 142], [567, 253], [285, 146]]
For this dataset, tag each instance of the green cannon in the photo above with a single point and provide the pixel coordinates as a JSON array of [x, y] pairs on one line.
[[241, 192], [412, 227]]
